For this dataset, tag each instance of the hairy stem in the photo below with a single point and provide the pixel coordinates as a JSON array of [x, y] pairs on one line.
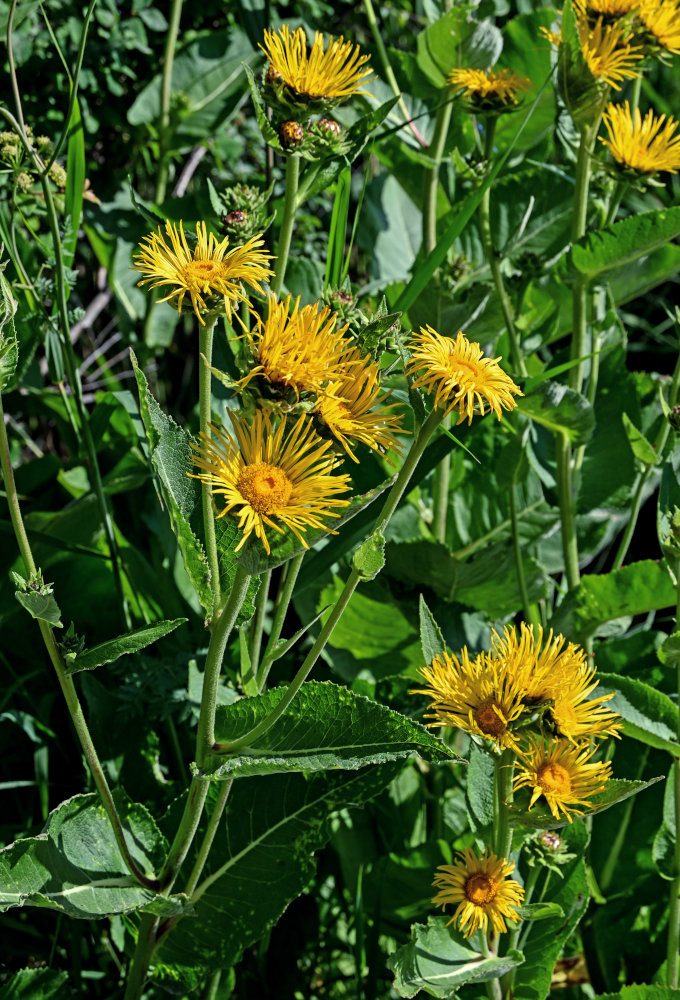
[[280, 610], [287, 222], [166, 93], [204, 405], [674, 897], [258, 622]]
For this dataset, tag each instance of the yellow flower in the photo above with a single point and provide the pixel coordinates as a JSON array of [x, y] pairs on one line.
[[461, 375], [613, 8], [335, 73], [562, 773], [300, 349], [662, 21], [556, 679], [479, 696], [643, 146], [605, 50], [487, 88], [482, 890], [346, 408], [208, 272], [267, 474]]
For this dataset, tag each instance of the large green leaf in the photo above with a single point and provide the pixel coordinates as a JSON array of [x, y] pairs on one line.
[[37, 984], [438, 961], [325, 726], [262, 858], [648, 715], [560, 408], [9, 351], [438, 45], [108, 652], [663, 846], [540, 818], [641, 991], [75, 866], [625, 241], [172, 458], [635, 589]]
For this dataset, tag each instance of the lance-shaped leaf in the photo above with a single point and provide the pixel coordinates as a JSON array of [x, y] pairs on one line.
[[431, 638], [37, 984], [325, 726], [619, 245], [74, 866], [9, 351], [438, 961], [171, 457], [663, 846], [540, 818], [560, 408], [648, 715], [108, 652], [262, 858]]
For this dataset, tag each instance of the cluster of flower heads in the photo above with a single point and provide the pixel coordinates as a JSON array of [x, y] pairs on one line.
[[533, 698], [14, 159]]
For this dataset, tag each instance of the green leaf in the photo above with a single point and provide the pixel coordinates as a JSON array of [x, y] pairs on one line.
[[74, 866], [75, 182], [9, 350], [539, 816], [540, 911], [40, 606], [437, 46], [325, 726], [480, 787], [431, 638], [648, 715], [668, 512], [622, 243], [641, 991], [108, 652], [640, 446], [635, 589], [560, 409], [37, 984], [172, 459], [663, 845], [369, 558], [438, 960], [269, 134], [262, 858]]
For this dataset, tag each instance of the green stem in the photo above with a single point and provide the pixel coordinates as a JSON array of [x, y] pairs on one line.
[[674, 899], [431, 186], [289, 208], [567, 512], [393, 498], [280, 610], [484, 216], [146, 942], [204, 405], [519, 561], [387, 69], [513, 938], [502, 797], [440, 493], [212, 986], [610, 864], [166, 93], [208, 837], [65, 682], [258, 622]]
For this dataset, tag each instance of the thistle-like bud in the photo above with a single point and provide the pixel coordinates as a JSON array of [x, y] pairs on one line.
[[291, 135]]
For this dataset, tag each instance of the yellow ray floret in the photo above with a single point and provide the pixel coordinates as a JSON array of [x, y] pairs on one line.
[[353, 410], [662, 20], [609, 57], [299, 348], [208, 270], [489, 85], [461, 376], [270, 477], [336, 72], [562, 773], [613, 8], [482, 891], [642, 145]]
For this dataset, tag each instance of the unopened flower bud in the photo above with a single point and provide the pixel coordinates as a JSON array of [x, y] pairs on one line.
[[23, 181], [329, 126], [57, 175], [291, 134]]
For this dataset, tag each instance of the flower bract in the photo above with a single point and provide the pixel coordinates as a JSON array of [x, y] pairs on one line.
[[279, 477], [336, 71], [643, 146], [488, 88], [562, 773], [482, 891], [210, 274], [461, 376]]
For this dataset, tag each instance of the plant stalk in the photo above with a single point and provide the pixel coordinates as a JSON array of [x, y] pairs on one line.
[[258, 622], [502, 798], [287, 222], [674, 898], [166, 94], [204, 406], [431, 187], [281, 606]]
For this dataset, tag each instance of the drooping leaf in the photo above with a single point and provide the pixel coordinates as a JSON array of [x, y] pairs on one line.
[[325, 726], [640, 446], [540, 818], [560, 409], [108, 652], [623, 242], [262, 858], [540, 911], [369, 558], [40, 606], [438, 961], [479, 789], [37, 984], [648, 715], [75, 866], [431, 638]]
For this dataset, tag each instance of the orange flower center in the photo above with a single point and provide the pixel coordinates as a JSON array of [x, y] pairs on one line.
[[488, 719], [265, 487], [480, 889], [203, 271], [554, 778]]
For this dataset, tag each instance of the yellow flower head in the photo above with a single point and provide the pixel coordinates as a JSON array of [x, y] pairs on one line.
[[298, 350], [605, 50], [556, 674], [460, 375], [662, 22], [347, 408], [487, 89], [334, 74], [562, 773], [209, 271], [642, 146], [271, 477], [479, 696], [613, 8], [481, 888]]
